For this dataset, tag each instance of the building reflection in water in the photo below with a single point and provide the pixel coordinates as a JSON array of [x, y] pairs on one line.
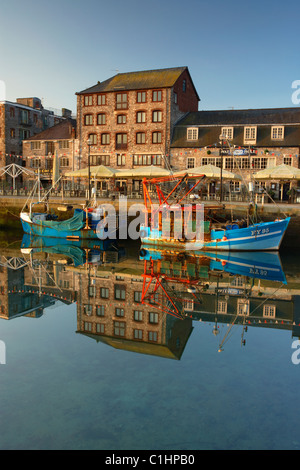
[[147, 302]]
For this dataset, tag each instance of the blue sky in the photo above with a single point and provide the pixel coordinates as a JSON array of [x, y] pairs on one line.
[[239, 54]]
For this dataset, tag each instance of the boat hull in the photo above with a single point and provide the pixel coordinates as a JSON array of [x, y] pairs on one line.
[[40, 230], [266, 236]]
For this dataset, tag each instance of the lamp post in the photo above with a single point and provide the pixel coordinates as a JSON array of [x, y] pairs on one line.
[[89, 142]]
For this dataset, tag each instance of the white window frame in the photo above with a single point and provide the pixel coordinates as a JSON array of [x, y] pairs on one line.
[[277, 132], [227, 132], [243, 307], [192, 133], [269, 311], [252, 134], [222, 306]]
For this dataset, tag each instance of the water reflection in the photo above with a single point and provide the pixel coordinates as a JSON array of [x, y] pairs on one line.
[[147, 302]]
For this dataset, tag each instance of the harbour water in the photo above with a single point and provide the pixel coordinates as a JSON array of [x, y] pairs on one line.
[[209, 361]]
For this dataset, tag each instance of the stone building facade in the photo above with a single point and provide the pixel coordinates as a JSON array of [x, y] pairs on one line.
[[128, 119], [39, 152], [240, 141], [18, 121]]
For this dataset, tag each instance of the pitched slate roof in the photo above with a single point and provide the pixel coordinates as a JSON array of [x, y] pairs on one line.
[[147, 79], [61, 131], [210, 123]]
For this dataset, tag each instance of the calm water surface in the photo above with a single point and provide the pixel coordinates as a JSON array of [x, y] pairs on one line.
[[64, 388]]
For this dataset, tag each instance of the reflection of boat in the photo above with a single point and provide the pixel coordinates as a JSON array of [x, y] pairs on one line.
[[260, 265], [80, 252], [179, 225]]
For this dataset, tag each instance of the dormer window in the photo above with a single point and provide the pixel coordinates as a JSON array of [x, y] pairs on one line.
[[277, 132], [227, 132], [192, 133], [250, 135]]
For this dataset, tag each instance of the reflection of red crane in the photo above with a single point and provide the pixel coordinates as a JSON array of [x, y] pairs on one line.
[[158, 293]]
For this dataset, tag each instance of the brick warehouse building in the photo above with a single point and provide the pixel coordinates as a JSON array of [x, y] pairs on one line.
[[130, 116], [259, 139]]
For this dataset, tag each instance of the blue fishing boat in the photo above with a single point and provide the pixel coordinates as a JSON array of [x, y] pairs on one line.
[[264, 236], [176, 224], [84, 224]]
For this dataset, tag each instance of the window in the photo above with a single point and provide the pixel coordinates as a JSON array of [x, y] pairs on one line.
[[269, 311], [120, 292], [64, 162], [141, 116], [101, 100], [12, 133], [121, 141], [119, 312], [88, 100], [140, 138], [121, 101], [188, 304], [105, 139], [92, 291], [250, 135], [175, 98], [227, 132], [121, 119], [243, 307], [119, 328], [138, 334], [141, 97], [100, 310], [157, 116], [138, 315], [92, 139], [152, 336], [259, 163], [36, 145], [234, 186], [121, 161], [157, 95], [184, 86], [101, 119], [137, 296], [222, 306], [104, 293], [64, 144], [216, 161], [24, 116], [287, 161], [36, 163], [88, 120], [190, 162], [192, 133], [100, 328], [147, 160], [277, 132], [156, 137], [99, 160], [153, 317], [87, 326]]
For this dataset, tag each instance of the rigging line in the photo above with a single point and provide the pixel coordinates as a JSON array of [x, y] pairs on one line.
[[268, 298], [30, 195]]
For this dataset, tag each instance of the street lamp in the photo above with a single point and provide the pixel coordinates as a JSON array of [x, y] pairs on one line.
[[222, 138], [89, 142]]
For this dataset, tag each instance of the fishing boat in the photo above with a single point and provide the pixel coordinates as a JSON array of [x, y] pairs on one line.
[[84, 224], [210, 234]]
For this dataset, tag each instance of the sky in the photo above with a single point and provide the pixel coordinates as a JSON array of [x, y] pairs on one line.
[[240, 55]]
